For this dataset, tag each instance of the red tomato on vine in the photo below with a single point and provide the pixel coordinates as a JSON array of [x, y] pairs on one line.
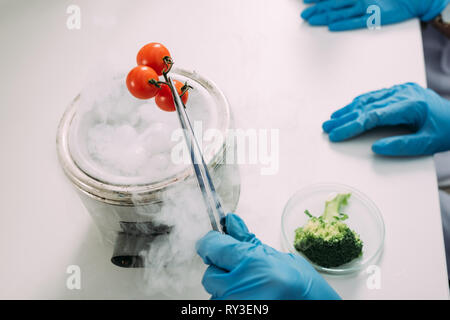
[[138, 82], [164, 98], [155, 56]]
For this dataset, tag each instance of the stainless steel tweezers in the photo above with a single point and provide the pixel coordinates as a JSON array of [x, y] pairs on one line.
[[210, 197]]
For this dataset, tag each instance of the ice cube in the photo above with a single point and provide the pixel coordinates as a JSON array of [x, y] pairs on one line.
[[156, 138], [124, 135], [159, 162]]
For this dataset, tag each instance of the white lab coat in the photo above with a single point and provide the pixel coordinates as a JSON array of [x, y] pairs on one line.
[[437, 60]]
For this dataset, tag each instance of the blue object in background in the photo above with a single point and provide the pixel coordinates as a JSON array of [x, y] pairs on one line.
[[340, 15], [241, 267], [422, 110]]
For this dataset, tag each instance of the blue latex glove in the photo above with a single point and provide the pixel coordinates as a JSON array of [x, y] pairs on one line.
[[422, 110], [341, 15], [241, 267]]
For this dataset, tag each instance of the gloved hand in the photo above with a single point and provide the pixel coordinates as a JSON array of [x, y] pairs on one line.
[[422, 110], [241, 267], [341, 15]]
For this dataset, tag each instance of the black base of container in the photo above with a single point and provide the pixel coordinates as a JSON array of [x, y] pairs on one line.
[[133, 241]]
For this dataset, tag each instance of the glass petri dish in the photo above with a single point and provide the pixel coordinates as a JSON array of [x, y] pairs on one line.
[[364, 218]]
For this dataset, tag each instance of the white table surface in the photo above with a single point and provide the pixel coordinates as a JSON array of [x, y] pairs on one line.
[[276, 71]]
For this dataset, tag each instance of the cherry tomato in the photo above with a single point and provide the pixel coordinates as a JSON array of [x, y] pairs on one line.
[[164, 98], [152, 55], [137, 82]]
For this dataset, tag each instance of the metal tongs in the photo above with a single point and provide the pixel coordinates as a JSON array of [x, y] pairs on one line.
[[210, 197]]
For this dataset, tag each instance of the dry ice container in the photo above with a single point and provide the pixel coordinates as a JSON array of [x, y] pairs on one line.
[[115, 203]]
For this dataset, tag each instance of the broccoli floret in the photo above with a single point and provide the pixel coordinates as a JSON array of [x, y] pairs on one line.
[[326, 240]]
